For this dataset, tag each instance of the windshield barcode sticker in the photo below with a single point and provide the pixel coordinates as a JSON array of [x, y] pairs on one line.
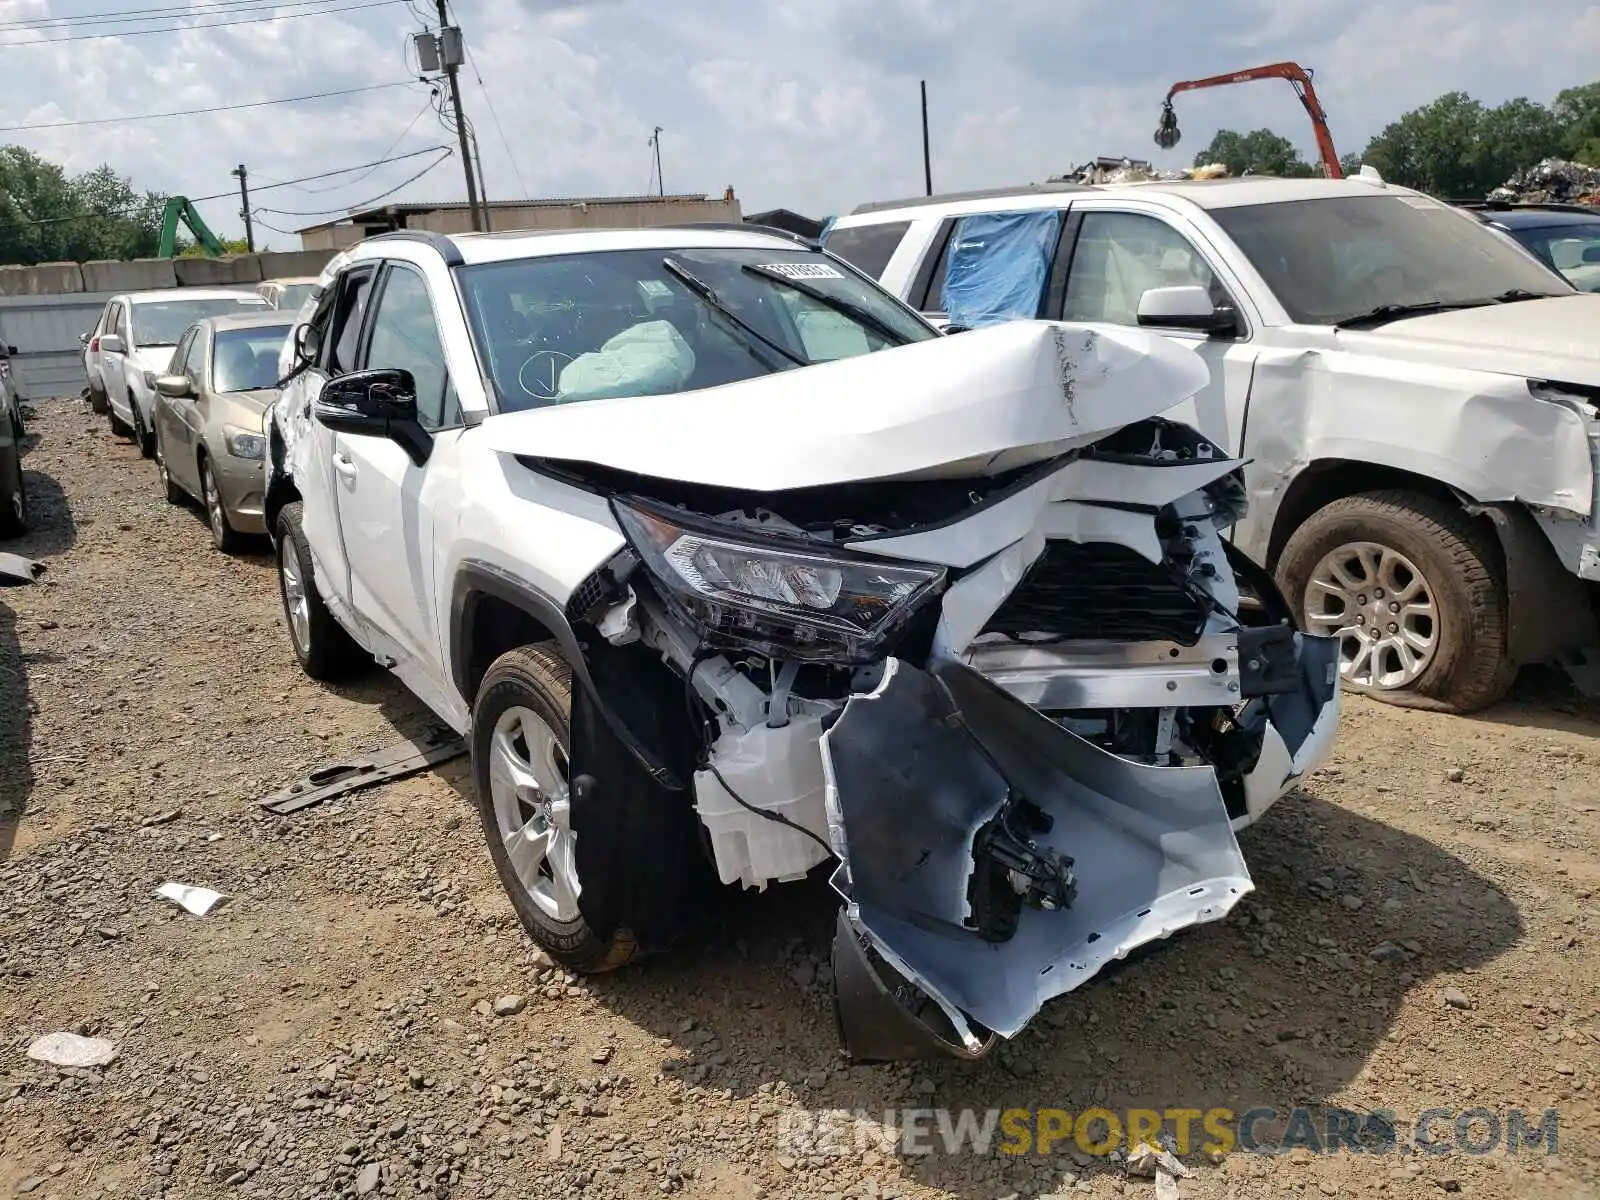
[[803, 270]]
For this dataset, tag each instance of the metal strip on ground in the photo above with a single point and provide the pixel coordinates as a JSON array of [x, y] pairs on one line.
[[381, 766]]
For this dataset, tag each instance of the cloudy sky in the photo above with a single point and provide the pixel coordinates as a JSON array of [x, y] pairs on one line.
[[811, 106]]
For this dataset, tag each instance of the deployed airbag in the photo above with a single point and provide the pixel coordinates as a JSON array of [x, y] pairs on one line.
[[647, 359], [1153, 846], [998, 264]]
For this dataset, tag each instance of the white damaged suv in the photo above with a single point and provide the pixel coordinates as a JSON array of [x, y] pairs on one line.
[[729, 565]]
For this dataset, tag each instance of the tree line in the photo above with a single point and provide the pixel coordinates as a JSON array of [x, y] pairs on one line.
[[1456, 147], [47, 215]]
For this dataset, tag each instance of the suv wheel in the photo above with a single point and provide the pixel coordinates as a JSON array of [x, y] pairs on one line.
[[98, 402], [119, 427], [321, 644], [1413, 588], [520, 733]]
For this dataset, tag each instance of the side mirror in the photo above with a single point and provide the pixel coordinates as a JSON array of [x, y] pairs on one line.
[[1188, 306], [175, 387], [305, 343], [83, 339], [111, 343], [378, 403]]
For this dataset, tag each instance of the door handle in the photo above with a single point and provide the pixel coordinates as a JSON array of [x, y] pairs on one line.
[[344, 466]]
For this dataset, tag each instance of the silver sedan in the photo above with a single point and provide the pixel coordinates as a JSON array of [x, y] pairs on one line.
[[208, 421]]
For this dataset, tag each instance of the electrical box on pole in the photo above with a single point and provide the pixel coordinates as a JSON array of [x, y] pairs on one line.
[[427, 45], [451, 52]]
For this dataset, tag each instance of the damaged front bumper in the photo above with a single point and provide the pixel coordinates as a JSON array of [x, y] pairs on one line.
[[942, 944]]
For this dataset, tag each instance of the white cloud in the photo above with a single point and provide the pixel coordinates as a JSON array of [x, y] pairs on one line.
[[811, 106]]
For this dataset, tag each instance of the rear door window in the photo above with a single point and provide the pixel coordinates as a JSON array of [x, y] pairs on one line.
[[868, 248]]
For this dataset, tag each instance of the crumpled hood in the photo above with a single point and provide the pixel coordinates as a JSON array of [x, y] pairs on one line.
[[1557, 338], [975, 403], [247, 409]]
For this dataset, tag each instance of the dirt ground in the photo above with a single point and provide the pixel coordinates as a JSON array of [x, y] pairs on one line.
[[1423, 935]]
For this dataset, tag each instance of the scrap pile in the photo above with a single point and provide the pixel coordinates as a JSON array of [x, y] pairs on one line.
[[1135, 170], [1553, 181]]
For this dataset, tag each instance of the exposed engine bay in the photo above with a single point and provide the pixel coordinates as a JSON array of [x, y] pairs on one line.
[[1023, 707]]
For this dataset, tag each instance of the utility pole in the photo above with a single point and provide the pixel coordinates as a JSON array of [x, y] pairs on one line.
[[655, 140], [927, 161], [244, 206], [450, 54]]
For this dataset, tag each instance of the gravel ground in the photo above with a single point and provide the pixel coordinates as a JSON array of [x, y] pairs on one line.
[[365, 1017]]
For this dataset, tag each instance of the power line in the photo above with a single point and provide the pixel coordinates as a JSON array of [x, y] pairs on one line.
[[88, 37], [216, 108], [145, 204], [382, 158], [169, 14], [500, 129], [289, 212]]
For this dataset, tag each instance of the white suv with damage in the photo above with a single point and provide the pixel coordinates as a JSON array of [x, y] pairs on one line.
[[728, 565], [1415, 394]]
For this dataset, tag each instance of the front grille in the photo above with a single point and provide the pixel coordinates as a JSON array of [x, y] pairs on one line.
[[1098, 590]]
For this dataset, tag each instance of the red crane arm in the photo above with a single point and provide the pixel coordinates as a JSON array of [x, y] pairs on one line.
[[1300, 79]]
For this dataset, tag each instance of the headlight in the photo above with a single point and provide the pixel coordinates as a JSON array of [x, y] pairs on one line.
[[778, 597], [242, 443]]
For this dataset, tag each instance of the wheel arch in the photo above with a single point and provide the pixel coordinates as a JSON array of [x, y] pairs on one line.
[[281, 489], [1325, 480]]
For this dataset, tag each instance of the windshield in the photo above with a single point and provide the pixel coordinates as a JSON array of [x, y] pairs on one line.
[[635, 322], [1332, 259], [162, 322], [294, 295], [245, 359], [1574, 250]]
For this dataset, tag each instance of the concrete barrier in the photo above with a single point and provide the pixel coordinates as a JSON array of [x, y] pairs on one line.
[[288, 264], [234, 271], [46, 279], [140, 275]]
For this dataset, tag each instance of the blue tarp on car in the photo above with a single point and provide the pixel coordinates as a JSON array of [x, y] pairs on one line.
[[997, 266]]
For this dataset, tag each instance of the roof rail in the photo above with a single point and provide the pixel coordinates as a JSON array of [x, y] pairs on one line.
[[1027, 189], [448, 250]]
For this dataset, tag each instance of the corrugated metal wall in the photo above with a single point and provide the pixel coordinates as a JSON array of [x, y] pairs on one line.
[[45, 329]]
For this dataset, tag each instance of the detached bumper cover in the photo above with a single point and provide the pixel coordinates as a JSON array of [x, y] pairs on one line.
[[919, 766]]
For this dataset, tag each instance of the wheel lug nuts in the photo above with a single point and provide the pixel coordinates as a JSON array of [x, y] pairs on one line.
[[1393, 607], [1393, 628], [1361, 599], [1378, 593], [1360, 620]]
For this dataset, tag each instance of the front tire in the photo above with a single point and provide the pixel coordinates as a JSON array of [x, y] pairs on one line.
[[142, 438], [1414, 589], [119, 427], [326, 652], [521, 731], [175, 494], [223, 535], [99, 402], [14, 502]]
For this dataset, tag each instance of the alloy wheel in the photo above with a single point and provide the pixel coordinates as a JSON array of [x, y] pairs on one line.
[[295, 602], [214, 513], [1379, 605], [532, 809]]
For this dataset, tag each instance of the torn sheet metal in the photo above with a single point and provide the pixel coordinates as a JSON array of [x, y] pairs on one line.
[[1152, 847], [382, 766], [980, 403], [198, 901], [14, 569]]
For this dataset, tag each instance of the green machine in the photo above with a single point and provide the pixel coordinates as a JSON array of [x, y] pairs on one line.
[[180, 209]]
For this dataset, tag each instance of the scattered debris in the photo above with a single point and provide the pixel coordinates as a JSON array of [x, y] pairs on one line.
[[72, 1050], [15, 569], [197, 900], [1553, 181], [1456, 998], [381, 766], [1162, 1165], [509, 1006], [161, 818]]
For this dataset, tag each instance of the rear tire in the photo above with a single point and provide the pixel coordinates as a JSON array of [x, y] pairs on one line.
[[98, 401], [324, 649], [119, 427], [525, 703], [1400, 537]]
